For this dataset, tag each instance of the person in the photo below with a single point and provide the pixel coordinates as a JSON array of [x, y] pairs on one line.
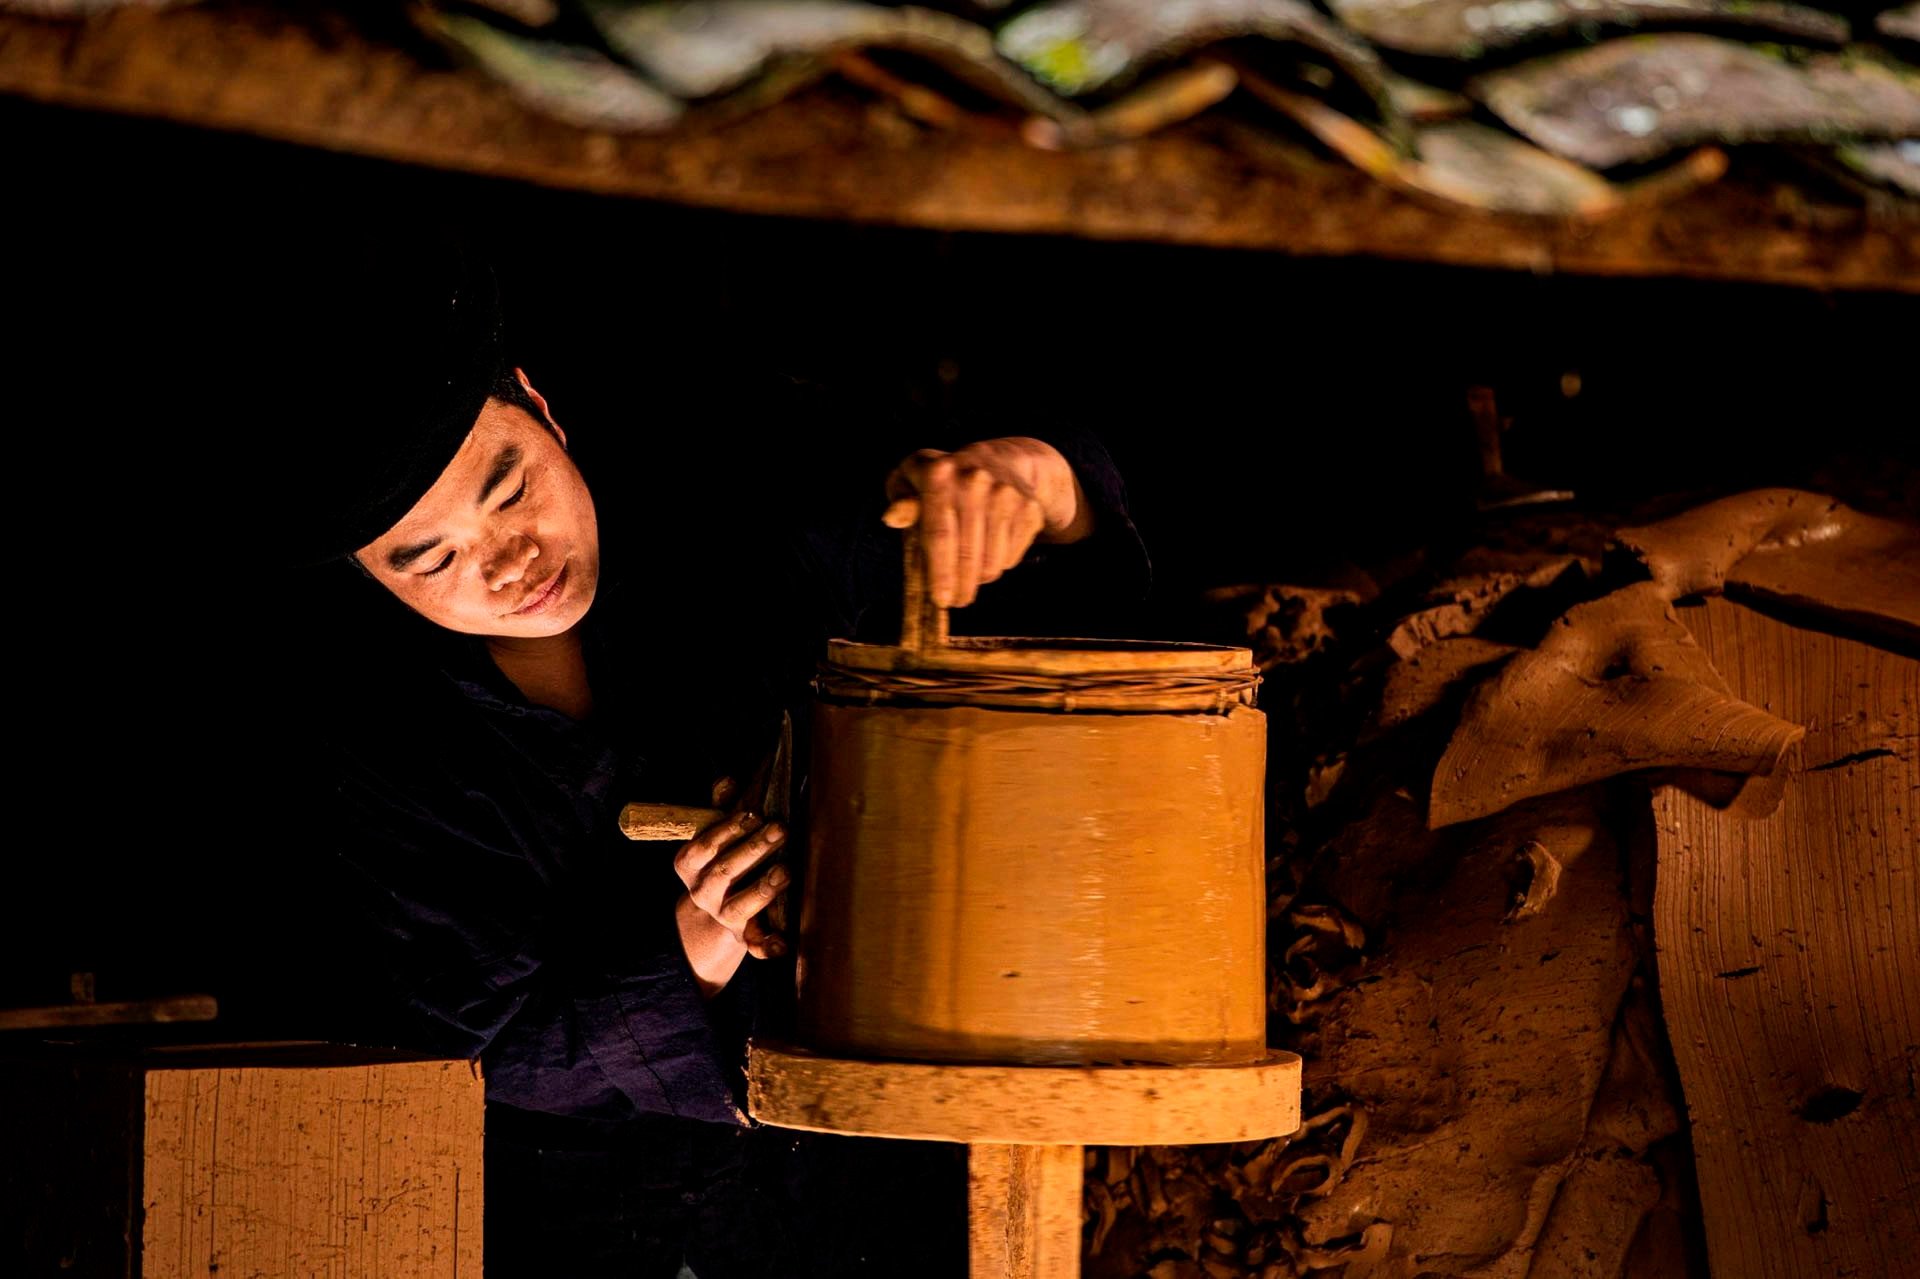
[[512, 653]]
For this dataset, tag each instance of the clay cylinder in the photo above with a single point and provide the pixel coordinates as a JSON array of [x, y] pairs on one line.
[[1010, 882]]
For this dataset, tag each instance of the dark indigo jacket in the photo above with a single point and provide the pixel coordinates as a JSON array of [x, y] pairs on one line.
[[472, 836]]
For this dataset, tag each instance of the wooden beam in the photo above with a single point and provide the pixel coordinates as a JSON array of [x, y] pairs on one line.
[[835, 154]]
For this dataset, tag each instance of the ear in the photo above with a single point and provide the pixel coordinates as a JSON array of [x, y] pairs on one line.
[[541, 400]]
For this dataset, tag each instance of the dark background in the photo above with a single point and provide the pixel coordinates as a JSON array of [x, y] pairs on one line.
[[1274, 417]]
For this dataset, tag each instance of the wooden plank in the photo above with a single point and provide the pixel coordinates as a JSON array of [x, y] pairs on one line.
[[137, 1012], [1789, 959], [831, 154], [341, 1171], [1024, 1105], [1023, 1212]]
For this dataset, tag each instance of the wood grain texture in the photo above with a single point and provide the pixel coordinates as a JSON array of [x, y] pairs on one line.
[[1789, 956], [342, 1172], [666, 821], [1024, 1105], [831, 154], [1023, 1212]]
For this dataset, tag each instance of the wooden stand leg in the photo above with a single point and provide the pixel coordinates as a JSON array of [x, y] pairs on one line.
[[1023, 1212]]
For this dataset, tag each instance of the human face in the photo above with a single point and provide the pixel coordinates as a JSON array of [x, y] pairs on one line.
[[505, 543]]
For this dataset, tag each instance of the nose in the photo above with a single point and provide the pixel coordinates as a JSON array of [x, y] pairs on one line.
[[509, 561]]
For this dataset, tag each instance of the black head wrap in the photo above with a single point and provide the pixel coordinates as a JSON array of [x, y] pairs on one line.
[[366, 365]]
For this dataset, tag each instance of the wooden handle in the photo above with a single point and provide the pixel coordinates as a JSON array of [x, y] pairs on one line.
[[666, 821], [923, 624]]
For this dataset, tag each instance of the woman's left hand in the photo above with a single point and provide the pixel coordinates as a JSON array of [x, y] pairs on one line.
[[981, 508], [719, 916]]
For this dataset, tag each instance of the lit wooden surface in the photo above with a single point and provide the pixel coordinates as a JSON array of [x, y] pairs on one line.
[[1023, 1212], [1025, 1129], [343, 1171], [658, 822], [1025, 1105], [837, 154], [1789, 954]]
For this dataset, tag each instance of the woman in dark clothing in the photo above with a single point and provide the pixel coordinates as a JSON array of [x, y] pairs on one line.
[[537, 654], [516, 718]]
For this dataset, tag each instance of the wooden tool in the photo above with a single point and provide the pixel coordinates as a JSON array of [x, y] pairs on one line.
[[771, 788], [667, 821], [1009, 902]]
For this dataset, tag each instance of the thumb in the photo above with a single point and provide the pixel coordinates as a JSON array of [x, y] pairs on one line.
[[761, 941], [901, 513]]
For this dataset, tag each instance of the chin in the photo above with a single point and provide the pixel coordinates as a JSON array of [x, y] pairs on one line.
[[541, 628]]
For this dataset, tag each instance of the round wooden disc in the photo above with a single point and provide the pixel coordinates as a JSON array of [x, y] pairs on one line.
[[1025, 1105]]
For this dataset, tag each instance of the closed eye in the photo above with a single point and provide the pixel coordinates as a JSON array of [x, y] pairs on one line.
[[517, 494], [437, 567]]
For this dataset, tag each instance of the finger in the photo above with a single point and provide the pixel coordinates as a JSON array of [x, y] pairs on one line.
[[940, 528], [715, 886], [762, 942], [974, 490], [1003, 510], [902, 513], [1033, 521], [904, 479], [723, 792], [697, 853], [733, 866], [738, 910]]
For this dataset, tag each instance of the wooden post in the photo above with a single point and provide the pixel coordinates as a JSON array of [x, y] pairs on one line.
[[1023, 1212], [1025, 1128]]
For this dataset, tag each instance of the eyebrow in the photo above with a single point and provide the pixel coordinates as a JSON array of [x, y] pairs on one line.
[[502, 467], [509, 457]]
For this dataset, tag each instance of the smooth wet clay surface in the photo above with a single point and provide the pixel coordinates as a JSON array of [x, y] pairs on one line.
[[1027, 887], [1617, 685], [1793, 549], [1790, 964]]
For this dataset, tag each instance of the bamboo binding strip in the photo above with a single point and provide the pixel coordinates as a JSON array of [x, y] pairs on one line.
[[1014, 673], [931, 667]]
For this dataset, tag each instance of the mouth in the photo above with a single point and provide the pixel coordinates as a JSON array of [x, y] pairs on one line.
[[543, 596]]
